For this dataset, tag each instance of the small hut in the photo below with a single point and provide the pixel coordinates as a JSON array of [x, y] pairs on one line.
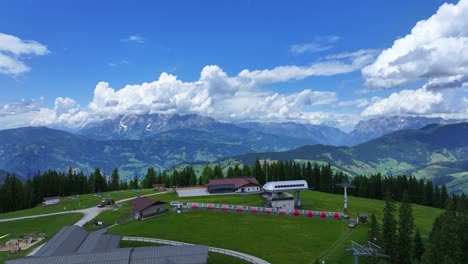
[[51, 200]]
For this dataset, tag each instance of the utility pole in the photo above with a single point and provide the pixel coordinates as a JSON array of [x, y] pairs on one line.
[[345, 185]]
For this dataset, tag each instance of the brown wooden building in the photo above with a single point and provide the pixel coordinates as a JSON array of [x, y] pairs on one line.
[[158, 187], [144, 208], [233, 185]]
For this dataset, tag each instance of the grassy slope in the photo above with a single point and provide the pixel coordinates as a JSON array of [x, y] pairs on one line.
[[274, 238], [85, 201], [49, 225], [109, 217]]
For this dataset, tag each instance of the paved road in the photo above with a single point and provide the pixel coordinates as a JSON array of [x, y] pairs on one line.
[[88, 213], [244, 256], [92, 212]]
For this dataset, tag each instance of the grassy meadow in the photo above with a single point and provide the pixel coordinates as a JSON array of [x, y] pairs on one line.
[[278, 239], [48, 225], [73, 203]]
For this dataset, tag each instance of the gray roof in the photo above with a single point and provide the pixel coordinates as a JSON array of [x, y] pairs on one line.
[[121, 256], [74, 245], [195, 254], [98, 241], [66, 241]]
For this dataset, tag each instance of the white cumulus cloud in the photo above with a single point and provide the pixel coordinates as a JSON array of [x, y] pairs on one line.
[[13, 51], [435, 48], [242, 97], [406, 102], [333, 65]]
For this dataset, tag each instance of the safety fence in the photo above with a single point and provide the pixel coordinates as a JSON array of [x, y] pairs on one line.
[[240, 255], [261, 210]]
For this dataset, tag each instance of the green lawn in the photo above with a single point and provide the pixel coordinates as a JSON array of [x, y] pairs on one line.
[[274, 238], [49, 225], [424, 216], [243, 199], [111, 216], [67, 204]]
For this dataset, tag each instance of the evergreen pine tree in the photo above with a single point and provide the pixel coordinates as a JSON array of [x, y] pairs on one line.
[[237, 171], [429, 193], [389, 227], [207, 174], [150, 178], [405, 230], [418, 246], [326, 175], [443, 196], [258, 172], [218, 172], [246, 171], [115, 181], [316, 176], [374, 231], [99, 181], [448, 239], [307, 173], [230, 173]]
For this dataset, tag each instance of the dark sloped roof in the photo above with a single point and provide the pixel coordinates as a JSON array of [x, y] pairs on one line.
[[237, 182], [195, 254], [100, 248], [99, 241], [220, 187], [121, 256], [142, 203], [66, 241], [74, 239]]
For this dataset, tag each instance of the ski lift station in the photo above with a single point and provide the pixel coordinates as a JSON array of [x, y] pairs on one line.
[[276, 193]]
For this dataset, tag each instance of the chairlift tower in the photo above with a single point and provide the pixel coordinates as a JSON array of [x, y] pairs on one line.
[[362, 251], [345, 185]]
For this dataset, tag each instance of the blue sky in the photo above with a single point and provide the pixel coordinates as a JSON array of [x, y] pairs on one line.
[[66, 63]]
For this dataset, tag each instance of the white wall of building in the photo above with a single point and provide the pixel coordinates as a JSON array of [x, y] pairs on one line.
[[51, 202], [249, 189], [288, 205]]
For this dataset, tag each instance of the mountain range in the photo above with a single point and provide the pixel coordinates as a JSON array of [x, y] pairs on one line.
[[192, 126], [188, 128], [134, 142], [437, 152]]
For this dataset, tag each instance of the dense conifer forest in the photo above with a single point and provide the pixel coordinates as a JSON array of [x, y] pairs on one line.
[[18, 194], [396, 233]]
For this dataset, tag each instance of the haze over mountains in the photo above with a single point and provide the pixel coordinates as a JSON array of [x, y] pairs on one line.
[[437, 152], [157, 125], [132, 143]]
